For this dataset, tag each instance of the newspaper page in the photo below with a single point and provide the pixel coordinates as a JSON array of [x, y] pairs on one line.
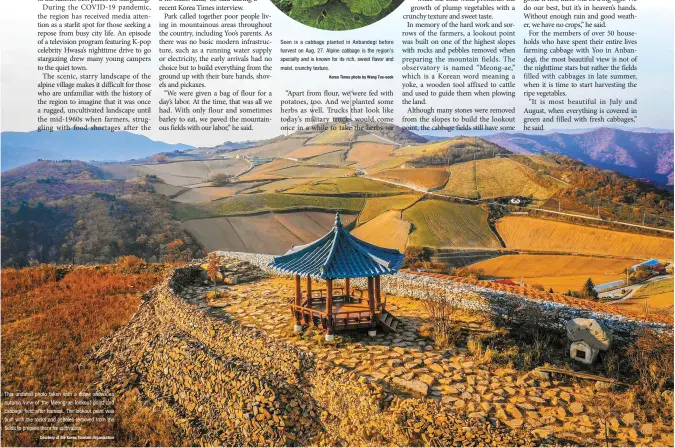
[[337, 223]]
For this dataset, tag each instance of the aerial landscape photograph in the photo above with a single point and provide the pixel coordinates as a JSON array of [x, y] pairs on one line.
[[350, 284]]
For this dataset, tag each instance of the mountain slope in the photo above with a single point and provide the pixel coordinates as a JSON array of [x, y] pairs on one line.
[[637, 154], [19, 148]]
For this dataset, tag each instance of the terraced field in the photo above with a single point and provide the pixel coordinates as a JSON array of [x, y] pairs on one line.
[[305, 152], [429, 178], [346, 185], [268, 170], [441, 224], [335, 158], [386, 230], [206, 194], [525, 233], [658, 295], [268, 233], [560, 272], [194, 172], [365, 155], [377, 206], [280, 185], [166, 189], [274, 149], [332, 137], [259, 203], [499, 177], [390, 163], [120, 172], [312, 171]]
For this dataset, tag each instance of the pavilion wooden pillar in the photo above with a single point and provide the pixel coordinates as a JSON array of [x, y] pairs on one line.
[[371, 296], [346, 289], [378, 298], [298, 299], [329, 310], [309, 291]]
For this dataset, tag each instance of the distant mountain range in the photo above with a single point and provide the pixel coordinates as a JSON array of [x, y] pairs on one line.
[[637, 153], [19, 148]]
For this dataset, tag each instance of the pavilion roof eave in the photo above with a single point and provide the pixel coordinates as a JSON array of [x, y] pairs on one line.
[[338, 254]]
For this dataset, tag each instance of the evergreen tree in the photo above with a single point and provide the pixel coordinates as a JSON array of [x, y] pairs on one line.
[[588, 291]]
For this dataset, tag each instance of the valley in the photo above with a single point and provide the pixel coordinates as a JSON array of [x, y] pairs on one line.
[[152, 278]]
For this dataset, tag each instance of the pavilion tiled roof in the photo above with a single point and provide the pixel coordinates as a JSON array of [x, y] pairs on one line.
[[338, 254]]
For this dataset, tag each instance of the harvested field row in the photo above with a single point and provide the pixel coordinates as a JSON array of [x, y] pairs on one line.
[[365, 155], [346, 185], [259, 203], [387, 230], [445, 224], [206, 194], [516, 266], [527, 233], [377, 206], [269, 233], [429, 178], [492, 178]]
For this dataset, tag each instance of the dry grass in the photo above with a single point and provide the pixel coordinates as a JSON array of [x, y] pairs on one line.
[[377, 206], [445, 224], [305, 152], [490, 178], [429, 178], [527, 233], [365, 155], [275, 149], [206, 194], [387, 230], [560, 272], [51, 318], [268, 170], [312, 171], [332, 136]]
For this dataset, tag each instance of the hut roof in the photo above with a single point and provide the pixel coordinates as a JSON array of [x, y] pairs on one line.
[[338, 254]]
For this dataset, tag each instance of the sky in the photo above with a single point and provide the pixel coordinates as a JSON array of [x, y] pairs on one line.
[[20, 76]]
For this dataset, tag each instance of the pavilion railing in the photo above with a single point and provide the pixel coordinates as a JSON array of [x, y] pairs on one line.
[[340, 319]]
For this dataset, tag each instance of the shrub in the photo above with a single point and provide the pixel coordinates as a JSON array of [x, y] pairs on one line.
[[221, 179], [130, 261], [588, 290], [442, 309]]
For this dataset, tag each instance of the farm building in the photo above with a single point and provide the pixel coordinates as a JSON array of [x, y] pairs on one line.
[[339, 255], [649, 264]]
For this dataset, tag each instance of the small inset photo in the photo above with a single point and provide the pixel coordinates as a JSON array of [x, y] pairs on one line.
[[337, 15]]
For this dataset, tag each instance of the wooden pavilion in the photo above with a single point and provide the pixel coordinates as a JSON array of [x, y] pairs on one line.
[[339, 255]]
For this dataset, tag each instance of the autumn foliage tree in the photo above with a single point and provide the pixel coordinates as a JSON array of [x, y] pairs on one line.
[[213, 268]]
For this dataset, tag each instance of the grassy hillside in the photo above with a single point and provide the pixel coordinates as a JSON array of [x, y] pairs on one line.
[[266, 233], [444, 224], [377, 206], [449, 152], [258, 203], [386, 230], [346, 185], [538, 234], [500, 177]]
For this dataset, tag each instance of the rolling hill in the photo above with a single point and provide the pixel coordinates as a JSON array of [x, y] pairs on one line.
[[645, 155], [20, 148]]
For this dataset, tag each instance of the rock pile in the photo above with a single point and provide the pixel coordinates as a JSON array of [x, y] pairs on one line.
[[499, 303], [226, 384]]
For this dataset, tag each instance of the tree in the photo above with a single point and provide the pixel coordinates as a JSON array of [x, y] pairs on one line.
[[213, 268], [588, 291], [221, 179]]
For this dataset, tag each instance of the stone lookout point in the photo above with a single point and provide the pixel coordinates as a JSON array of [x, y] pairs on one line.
[[340, 256]]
